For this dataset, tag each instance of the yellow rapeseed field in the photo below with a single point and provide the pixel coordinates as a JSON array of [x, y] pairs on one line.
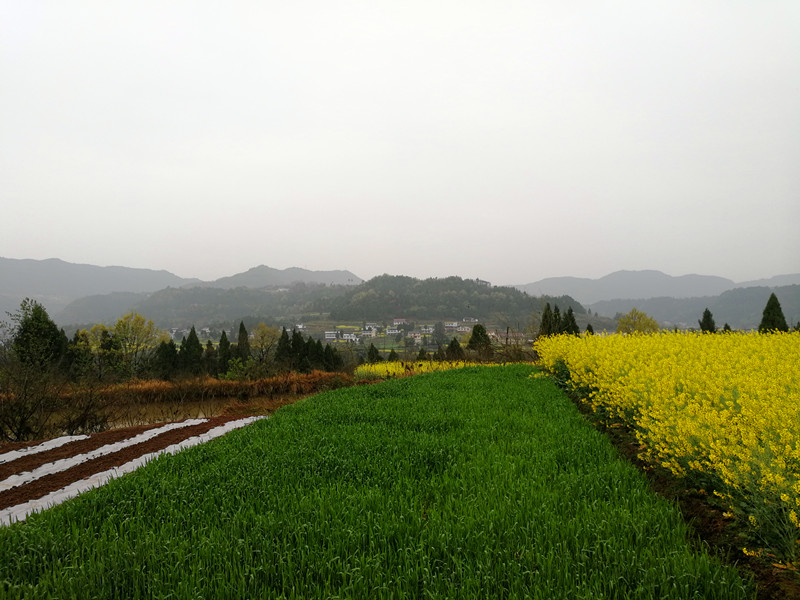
[[724, 409], [389, 370]]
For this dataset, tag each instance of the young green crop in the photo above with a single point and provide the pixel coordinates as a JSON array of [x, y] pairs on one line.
[[473, 483]]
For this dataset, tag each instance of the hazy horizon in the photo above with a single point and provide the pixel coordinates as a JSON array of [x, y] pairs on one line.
[[509, 142]]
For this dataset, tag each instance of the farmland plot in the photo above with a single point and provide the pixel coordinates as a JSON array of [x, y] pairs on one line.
[[476, 483]]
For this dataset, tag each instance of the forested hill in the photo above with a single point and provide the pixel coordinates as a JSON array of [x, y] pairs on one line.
[[395, 296]]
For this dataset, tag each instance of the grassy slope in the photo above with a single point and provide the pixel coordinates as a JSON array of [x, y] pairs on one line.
[[472, 483]]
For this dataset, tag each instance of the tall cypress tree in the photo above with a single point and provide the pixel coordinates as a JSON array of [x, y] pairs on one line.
[[243, 343], [223, 353], [568, 324], [557, 325], [546, 326], [772, 319], [190, 355], [283, 351], [707, 324]]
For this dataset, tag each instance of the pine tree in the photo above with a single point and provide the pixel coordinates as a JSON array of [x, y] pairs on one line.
[[480, 341], [165, 360], [589, 329], [568, 324], [422, 354], [190, 355], [283, 351], [726, 328], [557, 325], [210, 359], [393, 357], [243, 343], [223, 353], [298, 349], [772, 318], [546, 326], [373, 354], [454, 351], [707, 324]]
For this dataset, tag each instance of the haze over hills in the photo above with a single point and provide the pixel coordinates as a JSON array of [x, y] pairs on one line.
[[264, 276], [56, 284], [645, 284], [80, 294]]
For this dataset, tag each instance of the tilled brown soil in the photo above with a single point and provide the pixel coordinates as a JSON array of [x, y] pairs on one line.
[[49, 483]]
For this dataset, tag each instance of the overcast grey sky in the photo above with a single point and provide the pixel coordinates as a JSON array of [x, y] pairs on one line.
[[509, 141]]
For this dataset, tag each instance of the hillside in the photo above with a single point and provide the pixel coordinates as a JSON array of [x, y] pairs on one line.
[[646, 284], [389, 296], [741, 308], [263, 277], [55, 283]]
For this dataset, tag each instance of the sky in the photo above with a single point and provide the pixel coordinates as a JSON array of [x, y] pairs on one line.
[[502, 140]]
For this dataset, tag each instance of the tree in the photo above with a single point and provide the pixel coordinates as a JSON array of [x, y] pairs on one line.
[[36, 340], [480, 341], [136, 339], [373, 354], [637, 321], [707, 324], [568, 323], [223, 353], [283, 351], [546, 324], [423, 355], [190, 356], [264, 341], [243, 343], [393, 357], [454, 351], [556, 320], [30, 377], [165, 360], [589, 329], [439, 334], [772, 318]]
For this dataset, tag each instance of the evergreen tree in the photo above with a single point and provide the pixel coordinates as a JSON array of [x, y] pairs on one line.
[[298, 349], [726, 328], [707, 324], [373, 354], [772, 319], [568, 324], [454, 351], [480, 342], [210, 359], [190, 355], [589, 329], [243, 343], [283, 351], [165, 360], [546, 326], [329, 359], [557, 320], [223, 353], [36, 341], [422, 354], [393, 357]]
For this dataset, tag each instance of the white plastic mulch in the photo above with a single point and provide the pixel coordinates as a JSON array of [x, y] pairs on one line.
[[67, 463], [44, 446], [21, 511]]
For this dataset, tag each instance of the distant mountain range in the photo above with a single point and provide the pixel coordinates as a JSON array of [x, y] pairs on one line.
[[82, 294], [56, 284], [645, 284]]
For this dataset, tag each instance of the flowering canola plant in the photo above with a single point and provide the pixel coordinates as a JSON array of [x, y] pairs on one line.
[[723, 408], [389, 370]]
